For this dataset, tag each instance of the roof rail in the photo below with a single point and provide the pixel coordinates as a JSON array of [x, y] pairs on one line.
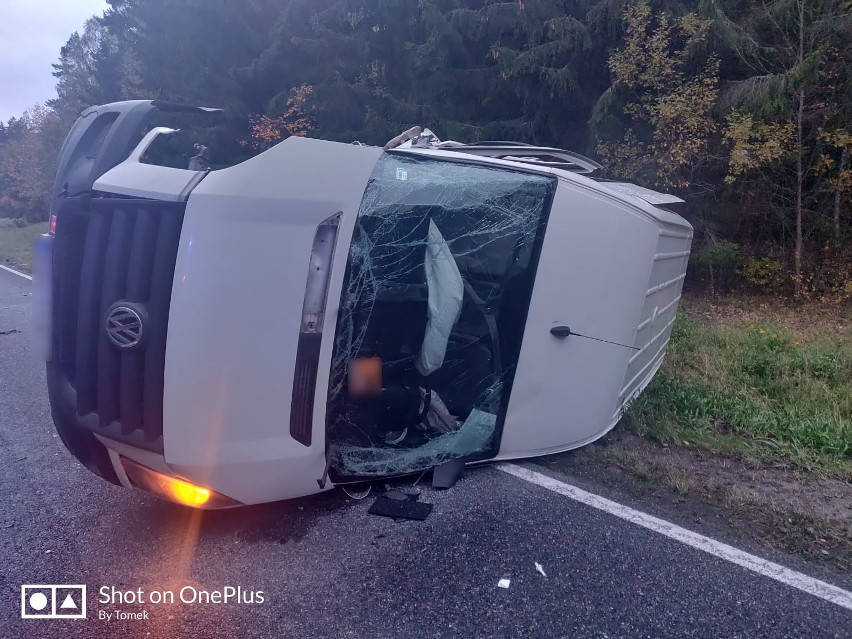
[[498, 143], [520, 152]]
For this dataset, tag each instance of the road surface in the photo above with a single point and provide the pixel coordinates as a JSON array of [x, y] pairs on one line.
[[328, 569]]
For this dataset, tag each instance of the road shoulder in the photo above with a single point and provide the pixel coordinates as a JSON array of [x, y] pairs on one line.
[[798, 520]]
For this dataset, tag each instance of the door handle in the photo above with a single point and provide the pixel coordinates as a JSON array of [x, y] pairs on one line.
[[560, 331]]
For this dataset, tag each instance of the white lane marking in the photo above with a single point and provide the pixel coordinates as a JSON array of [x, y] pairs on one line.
[[11, 270], [736, 556]]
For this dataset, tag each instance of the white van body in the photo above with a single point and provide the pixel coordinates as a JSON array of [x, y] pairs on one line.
[[610, 267]]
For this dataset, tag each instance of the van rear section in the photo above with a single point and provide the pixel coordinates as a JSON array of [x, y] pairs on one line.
[[326, 313]]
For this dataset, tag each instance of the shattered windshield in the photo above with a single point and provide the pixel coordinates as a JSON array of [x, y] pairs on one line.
[[432, 313]]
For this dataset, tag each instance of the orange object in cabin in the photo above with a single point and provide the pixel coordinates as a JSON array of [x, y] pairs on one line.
[[365, 376]]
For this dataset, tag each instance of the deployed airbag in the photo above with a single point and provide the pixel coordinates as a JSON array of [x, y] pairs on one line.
[[446, 291]]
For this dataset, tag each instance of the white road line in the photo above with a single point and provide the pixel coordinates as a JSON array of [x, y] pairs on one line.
[[756, 564], [11, 270]]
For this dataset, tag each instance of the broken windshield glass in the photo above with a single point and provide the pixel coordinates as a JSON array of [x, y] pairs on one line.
[[432, 313]]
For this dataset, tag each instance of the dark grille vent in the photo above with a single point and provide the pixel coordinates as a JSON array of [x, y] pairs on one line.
[[105, 251]]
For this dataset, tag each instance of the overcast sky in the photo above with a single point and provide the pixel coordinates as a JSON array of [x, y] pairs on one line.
[[31, 34]]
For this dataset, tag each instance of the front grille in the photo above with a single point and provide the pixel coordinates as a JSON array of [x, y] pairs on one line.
[[105, 251]]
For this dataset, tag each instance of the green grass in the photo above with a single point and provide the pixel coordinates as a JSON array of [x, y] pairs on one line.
[[16, 243], [756, 391]]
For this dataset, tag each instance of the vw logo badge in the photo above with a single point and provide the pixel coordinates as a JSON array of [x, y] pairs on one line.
[[124, 326]]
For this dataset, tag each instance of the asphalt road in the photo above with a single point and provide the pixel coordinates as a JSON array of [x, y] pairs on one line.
[[328, 569]]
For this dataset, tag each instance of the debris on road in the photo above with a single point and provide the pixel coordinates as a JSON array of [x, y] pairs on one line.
[[540, 569], [355, 494], [447, 474], [504, 582], [407, 509]]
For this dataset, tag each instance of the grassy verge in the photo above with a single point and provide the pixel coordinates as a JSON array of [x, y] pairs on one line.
[[759, 384], [16, 243], [765, 506], [746, 431]]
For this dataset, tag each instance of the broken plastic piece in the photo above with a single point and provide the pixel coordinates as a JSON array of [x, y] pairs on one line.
[[540, 569], [396, 495], [504, 582], [447, 474], [405, 136], [406, 509]]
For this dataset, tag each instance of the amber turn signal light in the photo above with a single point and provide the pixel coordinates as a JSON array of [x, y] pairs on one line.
[[174, 489]]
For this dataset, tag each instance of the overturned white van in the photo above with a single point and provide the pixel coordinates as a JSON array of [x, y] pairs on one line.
[[326, 313]]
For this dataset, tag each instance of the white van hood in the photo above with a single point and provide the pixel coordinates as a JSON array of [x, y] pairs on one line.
[[234, 324]]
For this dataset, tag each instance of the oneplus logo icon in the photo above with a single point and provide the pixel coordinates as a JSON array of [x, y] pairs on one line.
[[53, 601]]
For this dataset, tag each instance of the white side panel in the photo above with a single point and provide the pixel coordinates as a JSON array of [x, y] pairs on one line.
[[135, 179], [592, 277], [235, 315]]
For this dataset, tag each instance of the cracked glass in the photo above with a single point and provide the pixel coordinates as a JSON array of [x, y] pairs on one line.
[[432, 313]]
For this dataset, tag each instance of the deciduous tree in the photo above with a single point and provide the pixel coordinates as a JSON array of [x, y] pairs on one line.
[[663, 91]]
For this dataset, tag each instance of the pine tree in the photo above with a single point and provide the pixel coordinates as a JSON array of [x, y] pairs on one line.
[[783, 108]]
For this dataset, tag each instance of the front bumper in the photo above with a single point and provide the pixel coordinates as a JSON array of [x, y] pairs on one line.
[[131, 467], [80, 442]]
